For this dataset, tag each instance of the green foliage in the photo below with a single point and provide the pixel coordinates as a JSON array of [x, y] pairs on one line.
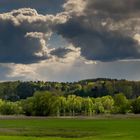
[[74, 104], [85, 97], [46, 103], [121, 104], [10, 108], [61, 105], [49, 104], [17, 90], [88, 106], [98, 106], [108, 103], [136, 105], [27, 106], [41, 104]]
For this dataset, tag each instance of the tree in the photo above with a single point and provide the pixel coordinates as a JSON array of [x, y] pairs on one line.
[[28, 106], [41, 104], [136, 105], [25, 89], [110, 87], [88, 106], [78, 104], [98, 106], [45, 104], [71, 104], [61, 105], [108, 103], [74, 104], [121, 104], [10, 108]]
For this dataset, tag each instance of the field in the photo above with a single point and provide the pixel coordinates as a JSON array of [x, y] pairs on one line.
[[98, 128]]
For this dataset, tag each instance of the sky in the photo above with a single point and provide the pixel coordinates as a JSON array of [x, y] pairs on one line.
[[69, 40]]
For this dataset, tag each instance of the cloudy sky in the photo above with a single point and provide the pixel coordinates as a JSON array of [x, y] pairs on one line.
[[69, 40]]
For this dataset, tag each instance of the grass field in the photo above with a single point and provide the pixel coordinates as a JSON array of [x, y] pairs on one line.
[[70, 129]]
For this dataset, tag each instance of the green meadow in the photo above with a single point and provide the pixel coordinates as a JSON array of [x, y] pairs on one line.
[[70, 129]]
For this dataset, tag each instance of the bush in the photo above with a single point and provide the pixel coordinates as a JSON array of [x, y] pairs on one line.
[[10, 108]]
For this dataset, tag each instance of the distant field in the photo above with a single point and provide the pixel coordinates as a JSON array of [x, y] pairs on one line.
[[122, 128]]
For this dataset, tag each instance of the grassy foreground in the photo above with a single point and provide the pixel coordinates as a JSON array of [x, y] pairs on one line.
[[70, 129]]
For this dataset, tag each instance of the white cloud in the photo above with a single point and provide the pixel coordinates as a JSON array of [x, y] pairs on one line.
[[30, 16], [75, 7]]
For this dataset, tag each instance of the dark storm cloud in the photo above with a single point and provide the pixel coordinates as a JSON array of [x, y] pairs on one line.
[[99, 44], [114, 6], [103, 29], [15, 47], [24, 34]]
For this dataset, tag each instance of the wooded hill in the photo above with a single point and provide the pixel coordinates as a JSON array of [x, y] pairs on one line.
[[17, 90]]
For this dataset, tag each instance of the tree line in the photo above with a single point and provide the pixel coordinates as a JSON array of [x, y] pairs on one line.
[[44, 103], [15, 91]]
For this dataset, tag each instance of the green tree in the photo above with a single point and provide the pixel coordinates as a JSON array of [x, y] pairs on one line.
[[45, 104], [10, 108], [74, 104], [98, 106], [108, 103], [78, 104], [71, 104], [28, 106], [88, 106], [121, 104], [61, 105], [136, 105]]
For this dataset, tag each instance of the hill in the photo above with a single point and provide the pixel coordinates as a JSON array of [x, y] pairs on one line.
[[17, 90]]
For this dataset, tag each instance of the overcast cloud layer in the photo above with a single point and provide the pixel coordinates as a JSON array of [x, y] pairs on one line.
[[98, 35]]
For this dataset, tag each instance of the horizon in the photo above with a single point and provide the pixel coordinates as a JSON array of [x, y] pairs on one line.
[[98, 79]]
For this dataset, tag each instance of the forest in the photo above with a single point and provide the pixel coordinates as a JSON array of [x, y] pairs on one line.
[[85, 97]]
